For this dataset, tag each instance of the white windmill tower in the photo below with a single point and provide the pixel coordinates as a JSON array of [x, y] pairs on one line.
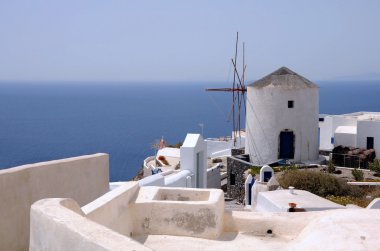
[[282, 118]]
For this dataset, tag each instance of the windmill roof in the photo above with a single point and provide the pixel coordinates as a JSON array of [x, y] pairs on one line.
[[284, 77]]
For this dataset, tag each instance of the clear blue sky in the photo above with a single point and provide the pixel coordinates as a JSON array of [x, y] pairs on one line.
[[101, 40]]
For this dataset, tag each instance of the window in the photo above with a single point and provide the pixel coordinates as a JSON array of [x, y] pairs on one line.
[[321, 119], [232, 179], [332, 140], [370, 141], [290, 103]]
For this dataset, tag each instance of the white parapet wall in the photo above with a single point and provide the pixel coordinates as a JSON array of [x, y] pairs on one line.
[[220, 148], [214, 177], [82, 178], [171, 178], [179, 211], [112, 209], [131, 217], [60, 225]]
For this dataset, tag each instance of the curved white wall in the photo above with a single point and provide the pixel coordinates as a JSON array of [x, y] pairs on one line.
[[268, 114]]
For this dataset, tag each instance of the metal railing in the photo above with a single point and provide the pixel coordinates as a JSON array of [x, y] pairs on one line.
[[348, 160]]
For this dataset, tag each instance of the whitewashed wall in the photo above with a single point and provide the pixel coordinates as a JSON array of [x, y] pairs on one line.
[[213, 177], [369, 128], [81, 178], [345, 139], [112, 209], [328, 127], [192, 145], [268, 114], [61, 225], [217, 148], [325, 133]]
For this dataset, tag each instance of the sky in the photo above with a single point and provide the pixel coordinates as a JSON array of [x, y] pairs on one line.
[[188, 41]]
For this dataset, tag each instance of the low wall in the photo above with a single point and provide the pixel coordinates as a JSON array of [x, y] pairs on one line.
[[147, 169], [235, 177], [81, 178], [112, 209], [217, 148], [179, 179], [180, 212], [168, 179], [258, 223], [213, 177], [60, 225]]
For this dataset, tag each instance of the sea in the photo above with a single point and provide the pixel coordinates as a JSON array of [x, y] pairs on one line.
[[48, 121]]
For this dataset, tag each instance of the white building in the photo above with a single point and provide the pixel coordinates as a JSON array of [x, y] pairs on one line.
[[282, 118], [360, 129]]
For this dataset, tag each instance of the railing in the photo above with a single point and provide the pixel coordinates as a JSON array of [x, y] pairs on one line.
[[348, 160], [147, 160]]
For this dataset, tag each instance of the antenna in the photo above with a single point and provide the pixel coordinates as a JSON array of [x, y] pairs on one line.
[[238, 92]]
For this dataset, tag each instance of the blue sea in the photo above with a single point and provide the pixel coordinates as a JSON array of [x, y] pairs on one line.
[[47, 121]]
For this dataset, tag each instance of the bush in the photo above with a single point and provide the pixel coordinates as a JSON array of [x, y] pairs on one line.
[[217, 160], [178, 145], [358, 174], [321, 184], [254, 170], [290, 167], [330, 167], [344, 200], [337, 172], [375, 166]]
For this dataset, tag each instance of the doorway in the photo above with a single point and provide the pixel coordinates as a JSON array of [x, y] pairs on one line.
[[370, 142], [286, 145]]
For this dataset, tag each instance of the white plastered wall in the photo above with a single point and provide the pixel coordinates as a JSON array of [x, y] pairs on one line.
[[328, 127], [193, 145], [268, 114], [345, 139], [81, 178], [368, 128]]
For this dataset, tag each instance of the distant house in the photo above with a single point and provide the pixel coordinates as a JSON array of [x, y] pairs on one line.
[[360, 129]]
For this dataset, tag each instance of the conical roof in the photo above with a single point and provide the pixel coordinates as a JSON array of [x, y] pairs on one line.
[[285, 78]]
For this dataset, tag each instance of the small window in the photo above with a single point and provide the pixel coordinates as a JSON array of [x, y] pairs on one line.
[[290, 103], [321, 119], [232, 179], [332, 140]]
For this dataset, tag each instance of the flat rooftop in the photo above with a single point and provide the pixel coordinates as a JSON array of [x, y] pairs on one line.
[[227, 241], [278, 201], [363, 115]]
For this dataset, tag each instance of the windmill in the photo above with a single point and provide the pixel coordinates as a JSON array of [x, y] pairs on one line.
[[238, 91]]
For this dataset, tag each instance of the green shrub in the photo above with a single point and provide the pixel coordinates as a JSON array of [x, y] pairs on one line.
[[217, 160], [358, 174], [344, 200], [255, 170], [321, 184], [178, 145], [330, 167], [290, 167], [375, 166], [277, 169]]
